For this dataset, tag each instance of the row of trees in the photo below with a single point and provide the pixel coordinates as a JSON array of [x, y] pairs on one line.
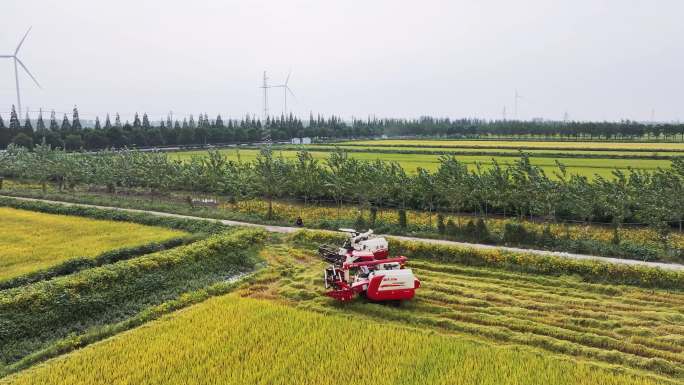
[[521, 189], [72, 135]]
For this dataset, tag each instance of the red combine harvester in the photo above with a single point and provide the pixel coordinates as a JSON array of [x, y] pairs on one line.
[[361, 266]]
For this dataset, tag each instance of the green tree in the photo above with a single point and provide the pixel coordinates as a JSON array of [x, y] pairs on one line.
[[66, 126], [54, 126], [5, 135], [306, 180], [40, 124], [146, 122], [615, 199], [23, 140], [270, 176], [14, 125], [28, 127], [73, 142], [425, 188], [108, 123], [453, 183], [75, 120]]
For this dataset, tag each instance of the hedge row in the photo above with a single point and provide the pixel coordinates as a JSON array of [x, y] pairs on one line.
[[35, 316], [589, 270], [81, 263], [185, 224]]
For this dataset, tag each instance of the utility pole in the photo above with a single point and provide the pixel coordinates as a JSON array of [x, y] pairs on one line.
[[266, 135], [265, 86], [504, 114]]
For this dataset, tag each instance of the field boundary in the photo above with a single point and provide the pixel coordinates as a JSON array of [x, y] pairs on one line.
[[289, 230], [80, 263]]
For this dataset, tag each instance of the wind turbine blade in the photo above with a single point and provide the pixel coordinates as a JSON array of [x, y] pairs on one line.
[[287, 79], [291, 93], [28, 72], [6, 56], [22, 41]]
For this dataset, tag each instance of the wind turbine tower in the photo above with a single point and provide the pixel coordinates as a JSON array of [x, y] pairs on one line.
[[18, 63], [515, 103], [286, 89], [265, 87]]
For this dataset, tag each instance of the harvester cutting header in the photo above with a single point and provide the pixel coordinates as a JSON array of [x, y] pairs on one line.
[[361, 266]]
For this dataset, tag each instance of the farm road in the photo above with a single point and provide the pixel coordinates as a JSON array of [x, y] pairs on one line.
[[286, 229]]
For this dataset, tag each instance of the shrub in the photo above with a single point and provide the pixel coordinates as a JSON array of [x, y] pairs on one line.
[[373, 215], [481, 231], [451, 229], [516, 233], [402, 219], [441, 228]]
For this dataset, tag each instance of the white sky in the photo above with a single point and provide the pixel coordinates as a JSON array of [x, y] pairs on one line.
[[595, 59]]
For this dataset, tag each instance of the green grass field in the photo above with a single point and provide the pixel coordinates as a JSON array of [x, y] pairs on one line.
[[31, 241], [411, 162]]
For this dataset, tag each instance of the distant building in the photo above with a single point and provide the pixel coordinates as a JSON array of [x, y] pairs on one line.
[[301, 140]]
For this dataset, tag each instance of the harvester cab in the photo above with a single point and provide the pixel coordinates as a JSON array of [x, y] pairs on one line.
[[361, 266]]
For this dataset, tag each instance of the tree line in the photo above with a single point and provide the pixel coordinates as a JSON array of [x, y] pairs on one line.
[[70, 134], [520, 189]]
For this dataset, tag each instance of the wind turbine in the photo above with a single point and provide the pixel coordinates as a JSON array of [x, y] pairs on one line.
[[286, 89], [515, 103], [18, 62]]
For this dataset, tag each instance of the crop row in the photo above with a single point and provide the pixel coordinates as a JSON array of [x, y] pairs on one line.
[[525, 145], [36, 316], [73, 265], [493, 153], [231, 340], [625, 326]]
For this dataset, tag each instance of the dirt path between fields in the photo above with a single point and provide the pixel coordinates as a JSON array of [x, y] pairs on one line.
[[287, 229]]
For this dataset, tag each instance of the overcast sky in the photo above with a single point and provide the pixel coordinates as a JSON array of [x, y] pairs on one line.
[[595, 59]]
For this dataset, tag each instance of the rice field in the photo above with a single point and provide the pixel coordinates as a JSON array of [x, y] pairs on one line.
[[410, 162], [569, 145], [636, 330], [230, 340], [31, 241], [495, 149]]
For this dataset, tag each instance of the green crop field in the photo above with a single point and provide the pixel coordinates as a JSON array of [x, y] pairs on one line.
[[31, 241], [570, 145], [411, 162], [498, 150], [467, 325]]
